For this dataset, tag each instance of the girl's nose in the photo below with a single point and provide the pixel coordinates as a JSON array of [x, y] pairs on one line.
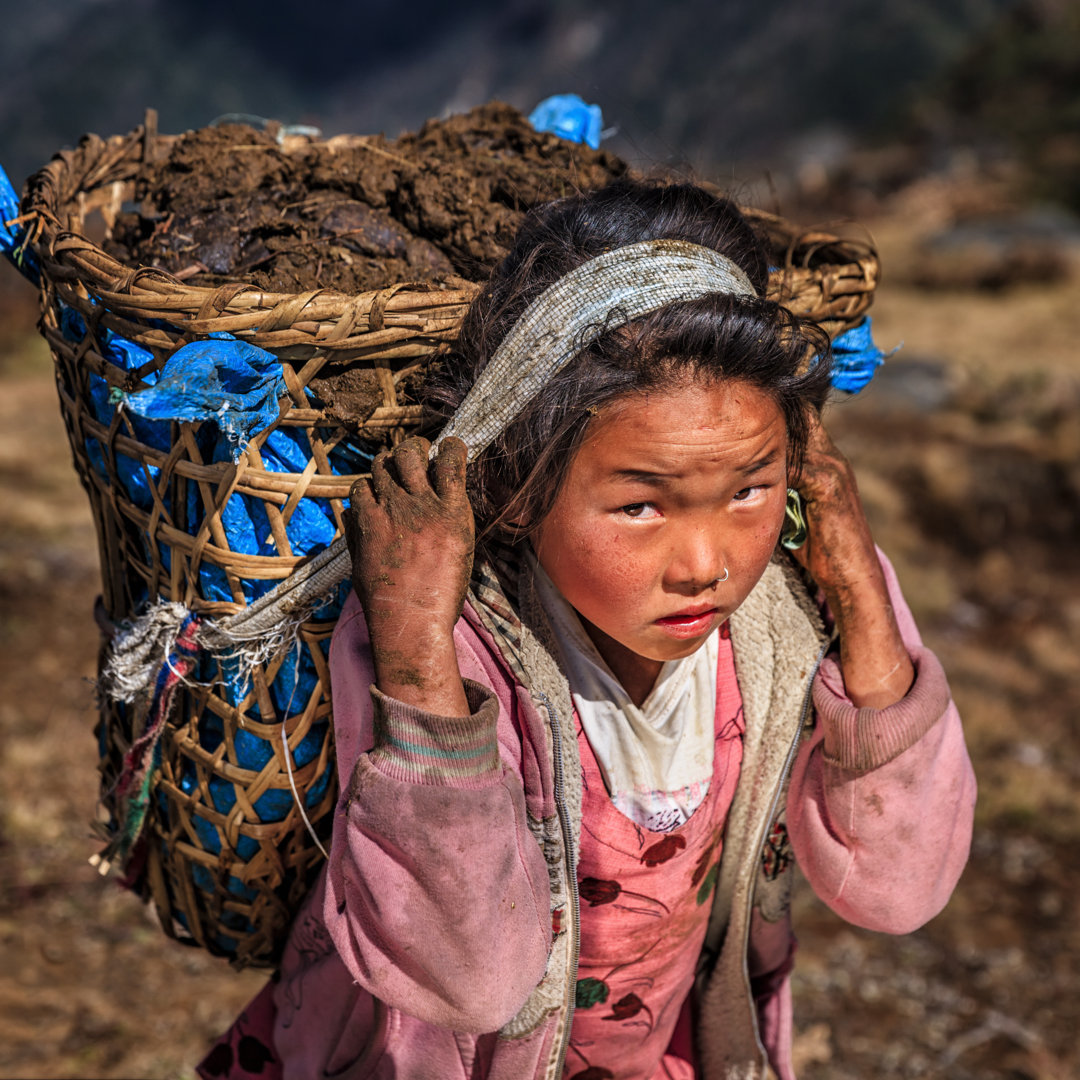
[[698, 562]]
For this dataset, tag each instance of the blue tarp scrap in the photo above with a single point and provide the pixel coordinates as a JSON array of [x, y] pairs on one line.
[[856, 358], [569, 117], [13, 237], [232, 388], [232, 383]]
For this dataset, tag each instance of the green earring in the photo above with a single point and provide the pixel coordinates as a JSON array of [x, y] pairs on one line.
[[794, 533]]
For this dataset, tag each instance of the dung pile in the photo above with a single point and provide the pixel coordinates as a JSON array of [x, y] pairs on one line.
[[352, 214]]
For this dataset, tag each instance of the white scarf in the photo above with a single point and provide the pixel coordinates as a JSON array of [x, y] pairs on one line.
[[656, 759]]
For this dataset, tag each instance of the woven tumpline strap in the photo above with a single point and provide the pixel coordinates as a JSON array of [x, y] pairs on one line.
[[599, 295]]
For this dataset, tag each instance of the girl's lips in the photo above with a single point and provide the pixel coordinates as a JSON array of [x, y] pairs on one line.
[[688, 624]]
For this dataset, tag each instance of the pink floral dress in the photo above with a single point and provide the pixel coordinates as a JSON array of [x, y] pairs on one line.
[[645, 899]]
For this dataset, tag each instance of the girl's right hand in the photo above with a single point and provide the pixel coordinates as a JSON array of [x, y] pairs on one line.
[[839, 554], [410, 532]]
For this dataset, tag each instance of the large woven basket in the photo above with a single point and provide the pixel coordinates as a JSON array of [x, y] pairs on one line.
[[229, 855]]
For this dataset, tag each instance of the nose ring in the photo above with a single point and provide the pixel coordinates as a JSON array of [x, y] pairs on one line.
[[720, 580]]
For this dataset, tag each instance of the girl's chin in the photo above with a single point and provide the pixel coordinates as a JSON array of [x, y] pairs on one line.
[[670, 646]]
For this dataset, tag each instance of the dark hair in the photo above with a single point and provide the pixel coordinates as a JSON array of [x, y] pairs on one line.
[[719, 336]]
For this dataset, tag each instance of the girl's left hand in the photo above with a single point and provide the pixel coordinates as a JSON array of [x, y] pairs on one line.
[[840, 556]]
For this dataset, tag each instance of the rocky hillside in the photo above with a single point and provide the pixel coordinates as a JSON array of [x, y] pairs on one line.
[[1016, 91]]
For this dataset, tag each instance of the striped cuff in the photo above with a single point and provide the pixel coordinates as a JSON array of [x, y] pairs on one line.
[[863, 739], [418, 747]]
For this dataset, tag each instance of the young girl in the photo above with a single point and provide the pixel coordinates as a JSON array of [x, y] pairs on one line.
[[588, 711]]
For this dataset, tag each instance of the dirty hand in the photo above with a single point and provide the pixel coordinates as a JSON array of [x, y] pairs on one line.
[[840, 556], [410, 532]]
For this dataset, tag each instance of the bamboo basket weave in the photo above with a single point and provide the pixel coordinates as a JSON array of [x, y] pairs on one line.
[[229, 856]]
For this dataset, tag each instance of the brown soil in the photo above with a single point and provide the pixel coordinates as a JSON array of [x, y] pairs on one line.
[[227, 203], [966, 450]]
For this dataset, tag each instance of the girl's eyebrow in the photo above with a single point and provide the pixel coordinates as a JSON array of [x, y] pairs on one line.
[[655, 477], [658, 477], [757, 464]]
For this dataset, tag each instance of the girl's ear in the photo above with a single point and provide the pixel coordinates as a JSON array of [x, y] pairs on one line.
[[517, 525], [795, 531], [513, 521]]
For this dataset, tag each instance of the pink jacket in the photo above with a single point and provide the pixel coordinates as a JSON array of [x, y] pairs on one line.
[[440, 942]]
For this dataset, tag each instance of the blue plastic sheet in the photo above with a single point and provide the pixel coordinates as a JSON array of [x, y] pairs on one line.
[[114, 348], [569, 117], [246, 525], [856, 358], [135, 477], [13, 237], [221, 372], [232, 383], [231, 388]]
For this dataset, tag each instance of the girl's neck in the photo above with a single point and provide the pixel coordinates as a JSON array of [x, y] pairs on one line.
[[638, 674]]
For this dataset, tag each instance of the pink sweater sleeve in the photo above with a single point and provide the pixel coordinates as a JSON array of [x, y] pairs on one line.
[[436, 891], [881, 801]]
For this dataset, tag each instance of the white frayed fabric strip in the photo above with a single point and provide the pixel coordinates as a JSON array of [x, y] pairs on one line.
[[599, 295], [139, 649]]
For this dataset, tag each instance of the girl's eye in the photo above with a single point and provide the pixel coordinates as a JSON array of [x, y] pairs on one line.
[[745, 493], [640, 510]]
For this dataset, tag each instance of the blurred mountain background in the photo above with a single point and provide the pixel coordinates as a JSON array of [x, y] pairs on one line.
[[725, 88]]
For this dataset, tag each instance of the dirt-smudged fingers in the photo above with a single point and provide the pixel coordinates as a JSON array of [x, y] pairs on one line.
[[361, 502], [411, 464], [361, 498], [448, 468], [382, 481]]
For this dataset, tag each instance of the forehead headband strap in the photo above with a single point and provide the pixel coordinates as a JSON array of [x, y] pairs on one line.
[[567, 317]]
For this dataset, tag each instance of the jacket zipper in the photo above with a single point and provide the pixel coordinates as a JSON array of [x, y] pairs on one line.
[[571, 873], [788, 762]]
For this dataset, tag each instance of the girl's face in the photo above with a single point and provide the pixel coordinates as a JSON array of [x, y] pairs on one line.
[[668, 490]]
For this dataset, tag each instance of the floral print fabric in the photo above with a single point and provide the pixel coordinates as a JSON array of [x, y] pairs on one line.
[[645, 899]]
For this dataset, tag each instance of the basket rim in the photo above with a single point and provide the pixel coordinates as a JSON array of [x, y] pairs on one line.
[[325, 317], [58, 193]]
